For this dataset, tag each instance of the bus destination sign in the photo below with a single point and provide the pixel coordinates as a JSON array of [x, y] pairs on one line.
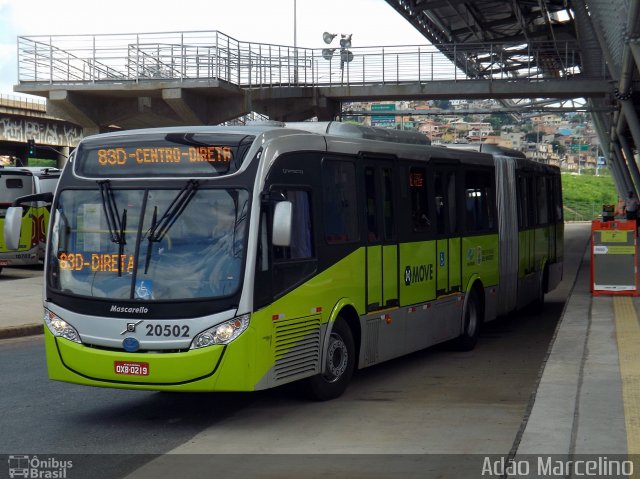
[[217, 156], [160, 155]]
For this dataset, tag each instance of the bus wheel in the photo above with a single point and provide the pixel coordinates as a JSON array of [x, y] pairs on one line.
[[339, 365], [472, 322], [538, 303]]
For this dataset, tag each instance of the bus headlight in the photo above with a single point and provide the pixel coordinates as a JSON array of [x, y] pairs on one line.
[[60, 328], [222, 333]]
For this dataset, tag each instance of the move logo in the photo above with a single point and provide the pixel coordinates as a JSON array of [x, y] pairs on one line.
[[418, 274]]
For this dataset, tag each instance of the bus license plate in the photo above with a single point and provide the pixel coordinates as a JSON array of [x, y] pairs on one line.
[[131, 369]]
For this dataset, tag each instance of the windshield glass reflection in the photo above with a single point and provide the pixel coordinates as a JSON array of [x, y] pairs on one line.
[[198, 254]]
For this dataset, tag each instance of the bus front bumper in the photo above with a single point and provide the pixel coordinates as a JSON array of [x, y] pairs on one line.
[[214, 368], [19, 258]]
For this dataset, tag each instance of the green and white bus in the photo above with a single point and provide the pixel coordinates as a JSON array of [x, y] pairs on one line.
[[16, 182], [244, 258]]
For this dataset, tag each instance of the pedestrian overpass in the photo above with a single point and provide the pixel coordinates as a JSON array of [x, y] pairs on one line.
[[527, 54]]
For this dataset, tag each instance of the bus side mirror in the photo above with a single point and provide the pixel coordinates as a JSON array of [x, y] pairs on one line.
[[12, 225], [25, 200], [282, 220]]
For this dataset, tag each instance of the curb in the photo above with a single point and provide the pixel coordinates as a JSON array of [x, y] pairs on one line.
[[20, 331]]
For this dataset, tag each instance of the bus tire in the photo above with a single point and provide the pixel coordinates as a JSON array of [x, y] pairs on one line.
[[538, 303], [472, 323], [340, 364]]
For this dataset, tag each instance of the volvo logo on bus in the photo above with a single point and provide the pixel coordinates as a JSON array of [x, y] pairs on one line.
[[131, 345], [131, 327]]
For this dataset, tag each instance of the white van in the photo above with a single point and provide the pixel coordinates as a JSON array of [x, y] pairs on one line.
[[17, 182]]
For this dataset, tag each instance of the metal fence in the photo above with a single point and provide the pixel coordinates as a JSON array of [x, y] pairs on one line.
[[13, 101], [582, 211], [214, 55]]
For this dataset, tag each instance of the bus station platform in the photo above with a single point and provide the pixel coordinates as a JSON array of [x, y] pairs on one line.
[[588, 397]]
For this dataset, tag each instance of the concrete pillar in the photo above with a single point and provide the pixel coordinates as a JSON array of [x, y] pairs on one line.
[[189, 107], [68, 105]]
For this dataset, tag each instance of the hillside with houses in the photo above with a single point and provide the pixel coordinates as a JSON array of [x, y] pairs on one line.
[[567, 140]]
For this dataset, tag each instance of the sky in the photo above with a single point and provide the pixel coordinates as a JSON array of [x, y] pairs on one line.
[[371, 22]]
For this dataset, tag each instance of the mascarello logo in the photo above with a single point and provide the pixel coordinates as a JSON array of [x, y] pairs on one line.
[[34, 467]]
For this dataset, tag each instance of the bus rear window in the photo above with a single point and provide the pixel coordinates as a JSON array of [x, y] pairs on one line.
[[161, 155], [14, 183]]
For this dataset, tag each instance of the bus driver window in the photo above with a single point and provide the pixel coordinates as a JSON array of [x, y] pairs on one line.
[[301, 233]]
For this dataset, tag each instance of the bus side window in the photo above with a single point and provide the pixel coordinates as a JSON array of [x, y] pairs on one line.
[[388, 216], [440, 204], [451, 201], [419, 208], [478, 201], [339, 202], [542, 195], [445, 197], [370, 205], [301, 228], [523, 202], [557, 199]]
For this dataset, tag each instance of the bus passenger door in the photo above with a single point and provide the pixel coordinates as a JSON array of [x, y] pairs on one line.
[[448, 263], [446, 322], [382, 289], [527, 212]]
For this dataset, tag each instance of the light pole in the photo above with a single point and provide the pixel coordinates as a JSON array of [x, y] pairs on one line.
[[295, 24], [345, 54], [295, 41]]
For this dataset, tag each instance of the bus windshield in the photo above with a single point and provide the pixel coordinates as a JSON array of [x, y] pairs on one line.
[[147, 244]]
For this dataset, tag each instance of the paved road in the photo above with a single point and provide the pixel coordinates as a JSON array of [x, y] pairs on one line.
[[434, 401], [19, 272]]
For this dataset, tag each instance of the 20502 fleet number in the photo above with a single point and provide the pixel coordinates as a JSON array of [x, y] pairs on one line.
[[167, 330]]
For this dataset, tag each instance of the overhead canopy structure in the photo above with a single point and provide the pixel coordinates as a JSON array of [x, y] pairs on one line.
[[606, 32]]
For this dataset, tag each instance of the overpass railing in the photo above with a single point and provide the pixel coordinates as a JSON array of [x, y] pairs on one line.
[[214, 55], [22, 103]]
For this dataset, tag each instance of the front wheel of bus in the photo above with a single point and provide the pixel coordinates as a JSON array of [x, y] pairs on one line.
[[339, 365]]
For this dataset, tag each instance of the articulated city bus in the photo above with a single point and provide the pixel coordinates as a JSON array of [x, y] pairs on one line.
[[244, 258], [16, 182]]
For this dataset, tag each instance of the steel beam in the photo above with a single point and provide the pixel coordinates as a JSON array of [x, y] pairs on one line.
[[631, 162]]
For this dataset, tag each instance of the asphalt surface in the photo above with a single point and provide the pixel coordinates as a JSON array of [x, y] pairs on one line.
[[417, 413]]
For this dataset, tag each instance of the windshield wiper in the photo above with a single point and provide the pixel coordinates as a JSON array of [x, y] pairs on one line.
[[115, 223], [123, 228], [150, 244], [239, 219], [160, 228]]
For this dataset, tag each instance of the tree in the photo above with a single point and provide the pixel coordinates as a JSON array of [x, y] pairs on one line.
[[498, 120], [577, 118], [558, 147], [442, 104]]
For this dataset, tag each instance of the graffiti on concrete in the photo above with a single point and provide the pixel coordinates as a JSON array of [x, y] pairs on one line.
[[43, 131]]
